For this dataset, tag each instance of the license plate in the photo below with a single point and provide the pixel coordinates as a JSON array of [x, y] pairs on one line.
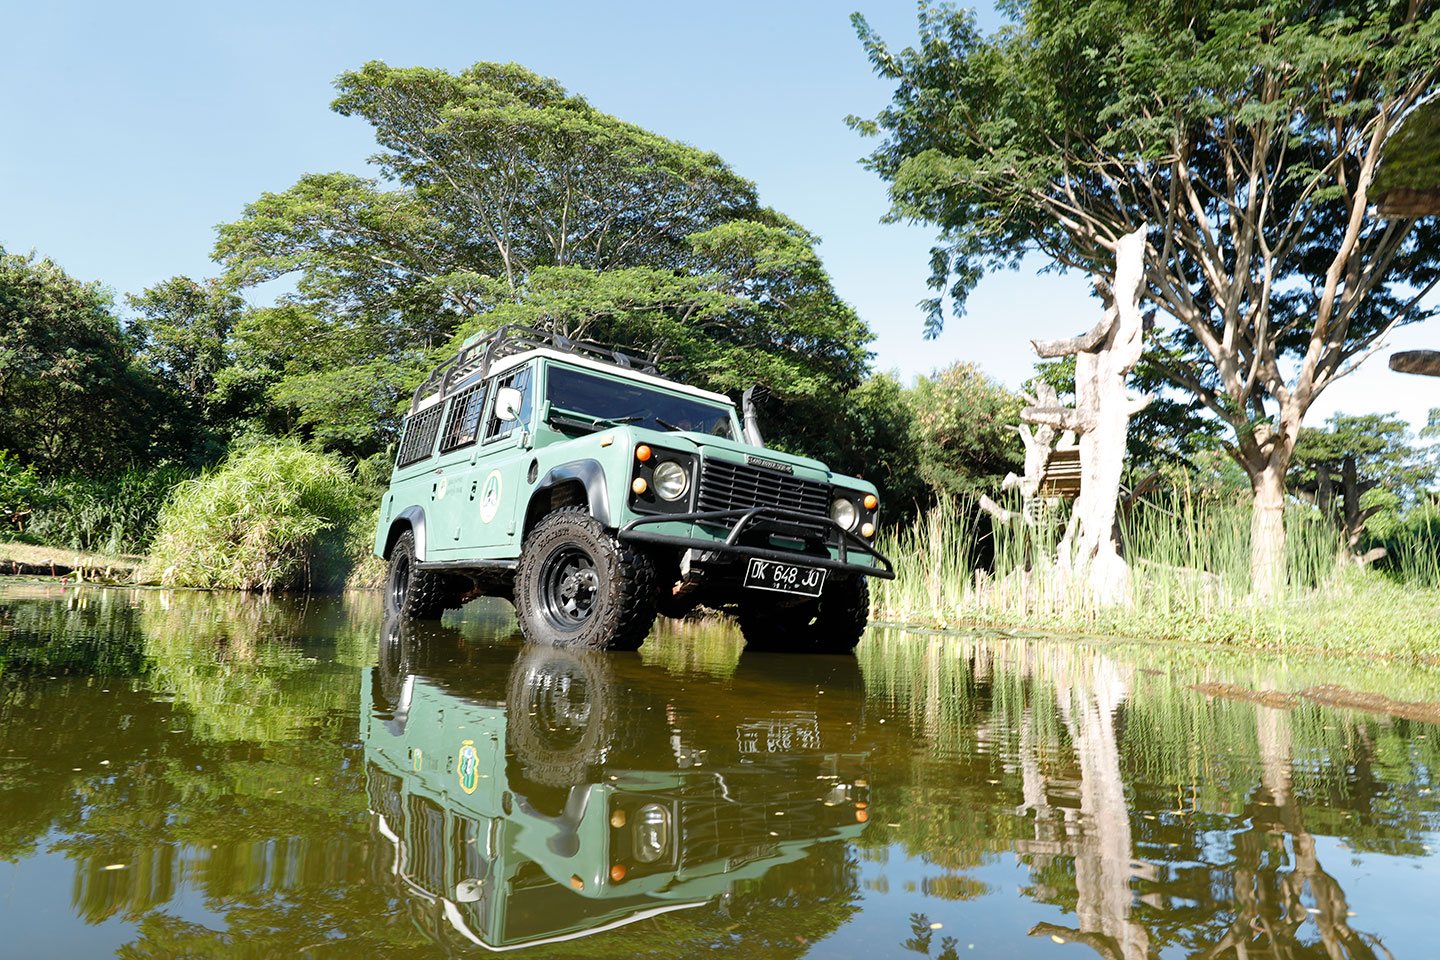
[[784, 577]]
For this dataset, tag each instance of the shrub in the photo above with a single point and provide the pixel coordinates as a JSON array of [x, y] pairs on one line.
[[19, 488], [275, 515], [114, 515], [1412, 547]]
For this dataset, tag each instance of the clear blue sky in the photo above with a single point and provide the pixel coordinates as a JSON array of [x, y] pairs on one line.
[[131, 130]]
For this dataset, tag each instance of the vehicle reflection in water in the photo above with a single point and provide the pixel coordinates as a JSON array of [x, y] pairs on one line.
[[557, 794]]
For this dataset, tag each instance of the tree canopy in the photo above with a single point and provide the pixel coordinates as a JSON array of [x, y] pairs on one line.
[[1384, 449], [503, 197], [72, 397]]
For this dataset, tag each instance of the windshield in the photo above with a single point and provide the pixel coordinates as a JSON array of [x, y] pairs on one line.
[[625, 401]]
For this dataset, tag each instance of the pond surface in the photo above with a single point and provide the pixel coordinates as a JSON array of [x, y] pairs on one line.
[[193, 775]]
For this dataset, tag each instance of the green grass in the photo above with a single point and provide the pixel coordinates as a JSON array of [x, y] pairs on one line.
[[109, 515], [1190, 574], [1413, 548]]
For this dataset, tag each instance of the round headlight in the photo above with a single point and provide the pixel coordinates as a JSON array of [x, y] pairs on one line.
[[671, 480], [843, 512], [652, 833]]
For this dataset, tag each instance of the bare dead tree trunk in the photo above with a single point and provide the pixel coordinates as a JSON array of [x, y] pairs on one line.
[[1103, 360]]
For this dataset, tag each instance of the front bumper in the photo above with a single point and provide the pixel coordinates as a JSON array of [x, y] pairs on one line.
[[758, 520]]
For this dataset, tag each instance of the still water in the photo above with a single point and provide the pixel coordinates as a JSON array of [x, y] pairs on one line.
[[192, 775]]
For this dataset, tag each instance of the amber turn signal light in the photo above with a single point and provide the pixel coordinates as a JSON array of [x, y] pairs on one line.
[[643, 453], [871, 501], [639, 486], [617, 872]]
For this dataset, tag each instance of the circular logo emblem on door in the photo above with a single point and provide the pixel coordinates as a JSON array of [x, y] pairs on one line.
[[490, 497], [467, 767]]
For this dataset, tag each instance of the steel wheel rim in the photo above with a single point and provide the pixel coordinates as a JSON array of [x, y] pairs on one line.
[[400, 582], [569, 588], [560, 700]]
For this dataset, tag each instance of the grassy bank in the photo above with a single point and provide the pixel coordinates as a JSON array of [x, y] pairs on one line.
[[1190, 574], [28, 559]]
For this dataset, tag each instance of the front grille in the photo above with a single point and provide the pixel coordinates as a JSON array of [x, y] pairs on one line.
[[732, 486]]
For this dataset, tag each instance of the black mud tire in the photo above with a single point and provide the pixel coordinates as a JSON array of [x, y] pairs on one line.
[[833, 623], [559, 708], [578, 586], [415, 594]]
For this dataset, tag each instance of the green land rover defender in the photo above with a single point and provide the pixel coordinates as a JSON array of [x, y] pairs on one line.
[[594, 493]]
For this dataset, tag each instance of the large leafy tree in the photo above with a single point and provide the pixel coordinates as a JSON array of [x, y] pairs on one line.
[[1245, 133], [965, 423], [502, 197], [1382, 446], [183, 332], [72, 399]]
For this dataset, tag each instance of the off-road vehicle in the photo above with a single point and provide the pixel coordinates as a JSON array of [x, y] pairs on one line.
[[595, 493]]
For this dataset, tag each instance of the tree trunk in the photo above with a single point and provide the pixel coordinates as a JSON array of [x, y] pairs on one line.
[[1267, 529]]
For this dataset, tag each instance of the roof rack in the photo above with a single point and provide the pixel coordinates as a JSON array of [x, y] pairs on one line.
[[508, 340]]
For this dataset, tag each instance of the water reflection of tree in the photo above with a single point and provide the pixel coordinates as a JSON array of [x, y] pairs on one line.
[[233, 772], [265, 820], [1156, 816]]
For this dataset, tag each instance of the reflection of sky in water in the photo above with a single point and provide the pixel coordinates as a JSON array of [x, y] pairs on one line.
[[1393, 895], [1012, 792]]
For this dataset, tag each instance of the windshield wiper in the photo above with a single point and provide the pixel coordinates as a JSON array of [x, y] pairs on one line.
[[585, 421], [667, 424]]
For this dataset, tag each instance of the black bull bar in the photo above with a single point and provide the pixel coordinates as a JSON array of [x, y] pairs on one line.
[[785, 524]]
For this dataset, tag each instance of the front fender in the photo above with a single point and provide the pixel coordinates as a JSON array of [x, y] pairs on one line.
[[412, 518], [590, 475]]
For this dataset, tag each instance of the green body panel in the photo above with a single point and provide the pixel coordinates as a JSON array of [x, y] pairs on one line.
[[451, 488]]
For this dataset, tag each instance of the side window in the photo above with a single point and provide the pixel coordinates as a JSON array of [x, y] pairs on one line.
[[464, 424], [521, 380], [419, 440]]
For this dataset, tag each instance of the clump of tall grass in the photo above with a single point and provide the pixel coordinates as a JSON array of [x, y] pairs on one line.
[[1413, 548], [1190, 554], [110, 515], [1189, 560], [275, 515], [935, 559]]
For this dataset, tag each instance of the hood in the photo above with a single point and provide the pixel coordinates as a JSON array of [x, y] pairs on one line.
[[738, 450]]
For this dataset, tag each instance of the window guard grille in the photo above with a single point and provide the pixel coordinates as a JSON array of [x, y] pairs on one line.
[[463, 427], [419, 440]]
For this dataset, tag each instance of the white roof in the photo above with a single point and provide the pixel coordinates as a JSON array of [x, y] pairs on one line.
[[575, 360]]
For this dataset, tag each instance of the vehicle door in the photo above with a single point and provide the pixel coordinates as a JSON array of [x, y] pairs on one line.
[[497, 484], [450, 501]]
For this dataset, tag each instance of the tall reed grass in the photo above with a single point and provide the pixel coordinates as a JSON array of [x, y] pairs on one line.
[[1413, 548], [273, 516], [1189, 559]]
